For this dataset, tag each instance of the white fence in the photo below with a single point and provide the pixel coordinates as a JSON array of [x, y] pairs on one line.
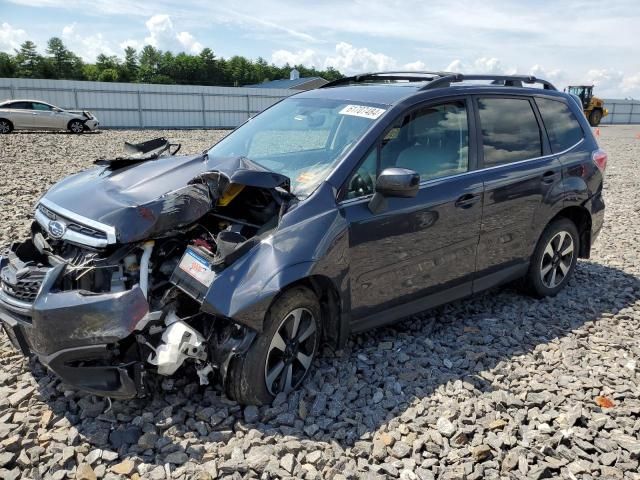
[[622, 112], [141, 105], [137, 105]]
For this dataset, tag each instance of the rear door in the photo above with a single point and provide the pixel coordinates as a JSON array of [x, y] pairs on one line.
[[20, 114], [521, 180], [423, 246]]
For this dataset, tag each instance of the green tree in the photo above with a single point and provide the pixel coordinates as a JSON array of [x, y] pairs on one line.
[[62, 62], [28, 60], [150, 65], [129, 69], [8, 65]]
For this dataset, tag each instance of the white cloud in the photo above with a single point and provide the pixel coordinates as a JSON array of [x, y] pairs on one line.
[[163, 35], [69, 29], [87, 46], [10, 37], [189, 43], [305, 57], [484, 65], [346, 58], [416, 66], [350, 59], [612, 83]]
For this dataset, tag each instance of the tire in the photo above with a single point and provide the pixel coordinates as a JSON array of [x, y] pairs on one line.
[[76, 126], [5, 126], [554, 259], [271, 364], [594, 117]]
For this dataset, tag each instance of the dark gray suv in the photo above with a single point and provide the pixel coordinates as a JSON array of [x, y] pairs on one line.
[[334, 211]]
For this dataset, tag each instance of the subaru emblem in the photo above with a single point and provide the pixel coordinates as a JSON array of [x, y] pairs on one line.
[[56, 229]]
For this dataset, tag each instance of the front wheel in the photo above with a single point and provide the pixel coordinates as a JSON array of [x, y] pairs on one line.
[[554, 258], [595, 117], [281, 356], [76, 126]]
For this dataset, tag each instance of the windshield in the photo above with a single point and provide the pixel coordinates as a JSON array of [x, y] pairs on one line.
[[302, 138]]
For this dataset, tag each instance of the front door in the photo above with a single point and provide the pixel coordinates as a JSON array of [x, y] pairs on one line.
[[44, 116], [416, 246]]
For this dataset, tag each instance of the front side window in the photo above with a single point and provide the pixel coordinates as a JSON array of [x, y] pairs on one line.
[[433, 141], [562, 126], [510, 130], [363, 182], [302, 138], [41, 107]]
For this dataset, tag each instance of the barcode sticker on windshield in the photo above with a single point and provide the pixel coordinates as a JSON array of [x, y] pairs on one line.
[[362, 111]]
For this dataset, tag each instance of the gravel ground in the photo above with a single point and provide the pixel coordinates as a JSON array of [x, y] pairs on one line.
[[500, 386]]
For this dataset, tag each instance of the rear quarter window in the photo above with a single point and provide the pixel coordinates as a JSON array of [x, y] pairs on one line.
[[562, 126]]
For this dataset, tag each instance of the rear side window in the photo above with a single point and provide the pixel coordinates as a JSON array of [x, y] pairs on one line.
[[510, 130], [562, 126], [20, 105]]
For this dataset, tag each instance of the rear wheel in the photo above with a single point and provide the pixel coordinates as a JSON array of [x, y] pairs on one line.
[[5, 126], [594, 118], [554, 258], [76, 126], [281, 356]]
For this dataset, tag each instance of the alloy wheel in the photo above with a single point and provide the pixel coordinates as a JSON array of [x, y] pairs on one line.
[[557, 259], [76, 127], [291, 351], [5, 127]]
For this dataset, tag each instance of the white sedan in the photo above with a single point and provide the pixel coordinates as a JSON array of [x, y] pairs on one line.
[[37, 115]]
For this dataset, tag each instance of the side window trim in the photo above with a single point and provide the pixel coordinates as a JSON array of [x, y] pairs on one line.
[[474, 149], [546, 149]]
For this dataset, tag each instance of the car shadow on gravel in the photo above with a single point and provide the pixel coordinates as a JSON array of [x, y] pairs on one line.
[[406, 373]]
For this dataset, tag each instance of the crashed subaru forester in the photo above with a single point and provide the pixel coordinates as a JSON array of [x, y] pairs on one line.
[[333, 211]]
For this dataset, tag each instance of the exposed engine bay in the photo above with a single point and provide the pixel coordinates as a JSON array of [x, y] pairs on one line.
[[108, 296]]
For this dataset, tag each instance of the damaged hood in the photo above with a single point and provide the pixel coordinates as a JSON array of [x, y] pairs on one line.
[[148, 198]]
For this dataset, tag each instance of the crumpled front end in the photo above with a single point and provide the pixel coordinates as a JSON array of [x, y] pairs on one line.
[[108, 317]]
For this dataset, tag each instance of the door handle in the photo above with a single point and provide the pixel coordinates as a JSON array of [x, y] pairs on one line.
[[549, 177], [467, 200]]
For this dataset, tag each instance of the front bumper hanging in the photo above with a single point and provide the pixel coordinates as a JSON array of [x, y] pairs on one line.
[[76, 335]]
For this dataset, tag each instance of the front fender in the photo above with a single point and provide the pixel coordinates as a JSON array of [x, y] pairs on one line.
[[307, 243]]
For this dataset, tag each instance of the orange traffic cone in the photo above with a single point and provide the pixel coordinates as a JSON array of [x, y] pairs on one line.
[[638, 136]]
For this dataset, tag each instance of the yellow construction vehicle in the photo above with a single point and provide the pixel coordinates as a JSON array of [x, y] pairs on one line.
[[593, 106]]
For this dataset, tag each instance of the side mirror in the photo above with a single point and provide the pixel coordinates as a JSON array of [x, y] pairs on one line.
[[398, 182], [394, 182], [57, 110]]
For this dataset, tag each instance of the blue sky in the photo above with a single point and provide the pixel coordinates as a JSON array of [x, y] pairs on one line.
[[565, 41]]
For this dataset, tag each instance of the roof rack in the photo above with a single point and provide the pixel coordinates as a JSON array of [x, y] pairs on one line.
[[413, 76], [438, 79], [505, 80]]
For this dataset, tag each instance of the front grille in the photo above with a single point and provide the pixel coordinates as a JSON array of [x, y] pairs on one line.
[[88, 231], [74, 231], [25, 288]]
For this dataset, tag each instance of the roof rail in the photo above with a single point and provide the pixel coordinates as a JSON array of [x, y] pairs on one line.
[[412, 76], [506, 80]]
